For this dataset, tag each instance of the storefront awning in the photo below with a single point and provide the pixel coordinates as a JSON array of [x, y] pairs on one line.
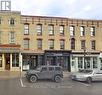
[[9, 48]]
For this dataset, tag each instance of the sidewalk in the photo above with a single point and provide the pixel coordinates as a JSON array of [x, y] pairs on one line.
[[18, 74], [9, 74]]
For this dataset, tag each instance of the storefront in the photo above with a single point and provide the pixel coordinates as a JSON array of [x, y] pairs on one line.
[[31, 60], [10, 58], [88, 61], [58, 57]]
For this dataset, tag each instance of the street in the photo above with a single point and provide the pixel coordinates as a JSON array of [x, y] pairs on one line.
[[20, 86]]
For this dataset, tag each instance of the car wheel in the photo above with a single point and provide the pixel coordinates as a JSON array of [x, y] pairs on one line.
[[89, 80], [58, 79], [33, 78]]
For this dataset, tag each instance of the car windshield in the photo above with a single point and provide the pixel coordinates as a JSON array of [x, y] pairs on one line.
[[85, 71]]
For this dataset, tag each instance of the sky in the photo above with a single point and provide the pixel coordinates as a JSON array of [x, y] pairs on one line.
[[85, 9]]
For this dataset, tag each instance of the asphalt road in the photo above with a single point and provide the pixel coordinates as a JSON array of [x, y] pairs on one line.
[[20, 86]]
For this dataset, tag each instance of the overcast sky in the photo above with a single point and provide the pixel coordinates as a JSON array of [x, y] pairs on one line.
[[87, 9]]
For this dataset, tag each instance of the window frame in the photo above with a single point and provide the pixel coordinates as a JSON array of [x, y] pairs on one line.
[[62, 44], [12, 37], [39, 43], [72, 30], [39, 29], [26, 29], [26, 46], [51, 29], [61, 30], [92, 30], [51, 43]]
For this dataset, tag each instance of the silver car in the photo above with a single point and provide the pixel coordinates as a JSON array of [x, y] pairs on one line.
[[45, 72], [87, 75]]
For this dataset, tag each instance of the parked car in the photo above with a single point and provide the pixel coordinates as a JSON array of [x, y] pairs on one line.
[[87, 75], [45, 72]]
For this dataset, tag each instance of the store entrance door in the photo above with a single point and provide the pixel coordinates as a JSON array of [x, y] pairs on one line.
[[7, 61]]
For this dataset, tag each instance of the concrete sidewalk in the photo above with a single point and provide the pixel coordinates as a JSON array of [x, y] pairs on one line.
[[18, 74]]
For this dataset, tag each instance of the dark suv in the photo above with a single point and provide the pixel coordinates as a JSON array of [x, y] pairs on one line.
[[45, 72]]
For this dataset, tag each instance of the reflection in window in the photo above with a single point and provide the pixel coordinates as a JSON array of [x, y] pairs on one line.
[[62, 44], [51, 29], [51, 44], [26, 29], [61, 29], [80, 62], [72, 31], [15, 60], [94, 62], [73, 43], [82, 31], [0, 60], [92, 29], [39, 29], [12, 21]]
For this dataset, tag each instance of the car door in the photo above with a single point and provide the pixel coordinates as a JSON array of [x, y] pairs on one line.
[[51, 72], [43, 73], [97, 76]]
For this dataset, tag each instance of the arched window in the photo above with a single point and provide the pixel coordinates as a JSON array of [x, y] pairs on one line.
[[73, 43]]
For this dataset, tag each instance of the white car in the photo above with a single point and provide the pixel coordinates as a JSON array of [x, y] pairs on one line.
[[87, 75]]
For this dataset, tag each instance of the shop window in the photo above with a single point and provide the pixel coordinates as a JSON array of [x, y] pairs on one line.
[[0, 60], [80, 62], [15, 60], [87, 62], [94, 62]]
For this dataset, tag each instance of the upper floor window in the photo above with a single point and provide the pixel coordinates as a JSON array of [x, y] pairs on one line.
[[93, 45], [82, 31], [92, 29], [61, 29], [39, 29], [12, 21], [72, 31], [82, 44], [26, 29], [0, 37], [0, 20], [51, 29], [62, 44], [51, 44], [73, 43], [12, 37], [39, 43], [26, 43]]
